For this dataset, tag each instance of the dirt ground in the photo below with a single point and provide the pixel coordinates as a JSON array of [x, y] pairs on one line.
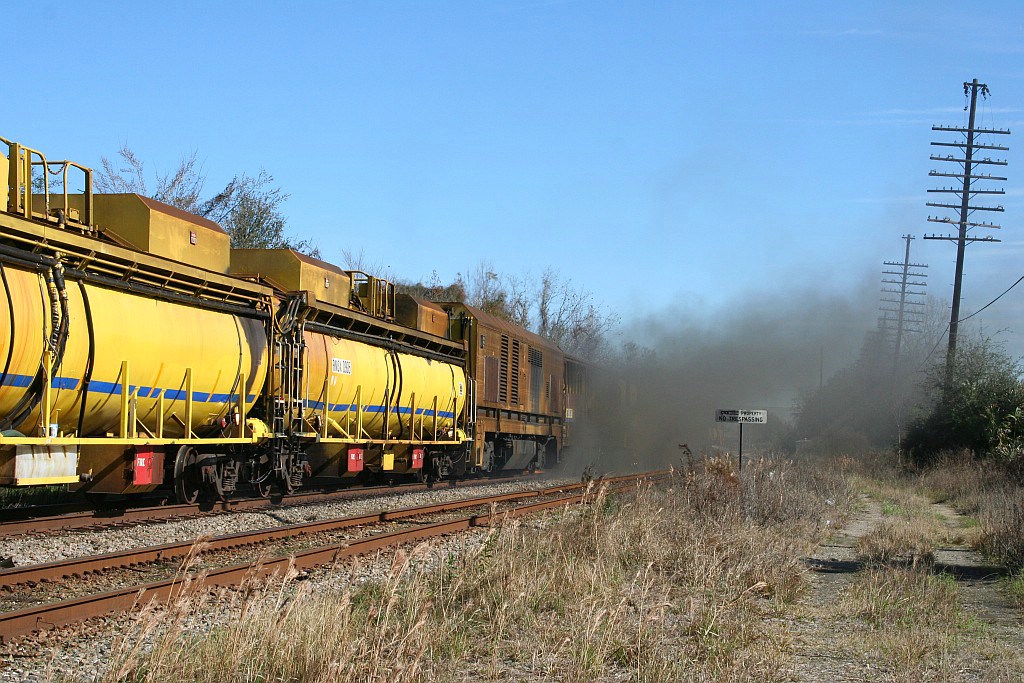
[[833, 641]]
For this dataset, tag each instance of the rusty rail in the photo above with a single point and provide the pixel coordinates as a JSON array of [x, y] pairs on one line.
[[51, 571], [81, 519], [31, 619]]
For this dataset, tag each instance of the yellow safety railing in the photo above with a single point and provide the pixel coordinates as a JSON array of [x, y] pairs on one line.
[[22, 186]]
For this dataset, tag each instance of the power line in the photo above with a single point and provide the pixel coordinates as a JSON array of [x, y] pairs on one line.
[[934, 348], [1005, 292], [1019, 280]]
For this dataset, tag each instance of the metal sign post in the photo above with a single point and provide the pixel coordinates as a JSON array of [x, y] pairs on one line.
[[741, 447], [742, 417]]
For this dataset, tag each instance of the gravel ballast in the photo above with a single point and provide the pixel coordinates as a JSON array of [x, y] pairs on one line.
[[81, 652]]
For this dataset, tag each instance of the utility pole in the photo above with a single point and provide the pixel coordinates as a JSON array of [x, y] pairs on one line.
[[965, 193], [909, 275]]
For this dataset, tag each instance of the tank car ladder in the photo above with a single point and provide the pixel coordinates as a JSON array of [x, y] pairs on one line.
[[289, 404]]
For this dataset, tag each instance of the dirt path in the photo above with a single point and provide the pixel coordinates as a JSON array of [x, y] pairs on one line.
[[951, 621]]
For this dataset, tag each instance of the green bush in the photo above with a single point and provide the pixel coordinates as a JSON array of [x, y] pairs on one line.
[[978, 407]]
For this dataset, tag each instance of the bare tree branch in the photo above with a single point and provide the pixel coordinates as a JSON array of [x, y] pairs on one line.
[[361, 262], [248, 208], [128, 177]]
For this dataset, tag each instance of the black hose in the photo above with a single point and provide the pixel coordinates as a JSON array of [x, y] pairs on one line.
[[10, 313], [56, 345], [400, 379], [26, 258], [87, 378]]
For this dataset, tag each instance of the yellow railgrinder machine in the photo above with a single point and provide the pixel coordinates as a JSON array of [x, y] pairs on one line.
[[137, 348]]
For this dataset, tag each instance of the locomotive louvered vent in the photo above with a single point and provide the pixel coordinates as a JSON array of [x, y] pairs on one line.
[[503, 375], [492, 374], [513, 379], [536, 359]]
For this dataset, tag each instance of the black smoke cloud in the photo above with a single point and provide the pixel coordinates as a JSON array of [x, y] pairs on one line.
[[765, 350]]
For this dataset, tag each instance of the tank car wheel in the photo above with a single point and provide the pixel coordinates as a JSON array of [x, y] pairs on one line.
[[188, 480]]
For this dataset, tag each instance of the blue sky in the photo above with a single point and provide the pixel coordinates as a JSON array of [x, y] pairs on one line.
[[664, 155]]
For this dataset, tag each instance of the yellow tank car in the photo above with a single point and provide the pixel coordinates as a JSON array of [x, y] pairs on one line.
[[123, 339], [358, 392], [162, 351]]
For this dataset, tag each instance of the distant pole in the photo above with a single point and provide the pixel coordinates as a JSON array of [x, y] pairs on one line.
[[907, 275], [901, 318], [966, 193], [821, 368]]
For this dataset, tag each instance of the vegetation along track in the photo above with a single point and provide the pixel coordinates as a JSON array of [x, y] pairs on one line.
[[25, 621], [38, 519]]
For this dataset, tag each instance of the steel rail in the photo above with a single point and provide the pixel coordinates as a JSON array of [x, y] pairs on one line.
[[31, 619], [52, 571], [99, 517]]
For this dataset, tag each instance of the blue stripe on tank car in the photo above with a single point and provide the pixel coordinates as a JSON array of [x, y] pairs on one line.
[[19, 381], [104, 387], [114, 388]]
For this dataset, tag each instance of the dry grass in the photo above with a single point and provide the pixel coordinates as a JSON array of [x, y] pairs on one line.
[[995, 502], [910, 623], [915, 624], [910, 530], [666, 584]]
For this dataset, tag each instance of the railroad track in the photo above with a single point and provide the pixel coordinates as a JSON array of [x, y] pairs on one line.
[[25, 621], [17, 521]]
